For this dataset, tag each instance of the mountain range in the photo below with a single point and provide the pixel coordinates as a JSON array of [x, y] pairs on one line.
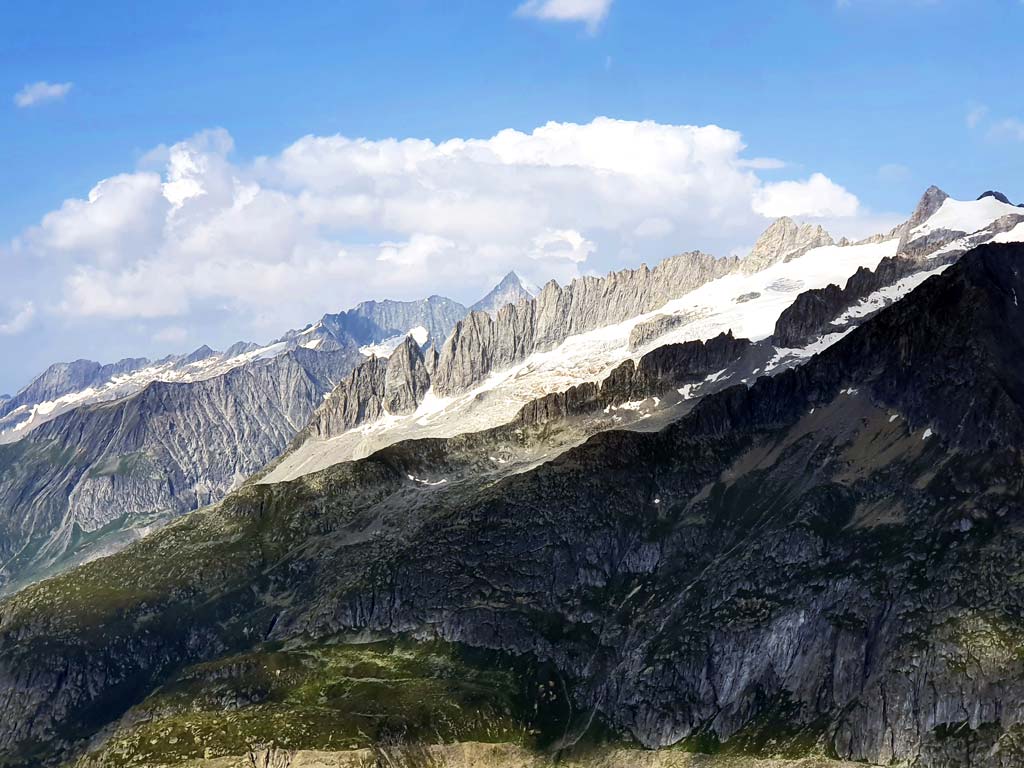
[[745, 511], [93, 456]]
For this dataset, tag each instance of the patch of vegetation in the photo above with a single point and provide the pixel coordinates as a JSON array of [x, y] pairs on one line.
[[780, 732], [329, 697]]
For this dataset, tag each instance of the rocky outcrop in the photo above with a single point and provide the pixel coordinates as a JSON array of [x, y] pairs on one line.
[[648, 330], [376, 387], [783, 241], [927, 206], [997, 195], [809, 317], [357, 399], [406, 380]]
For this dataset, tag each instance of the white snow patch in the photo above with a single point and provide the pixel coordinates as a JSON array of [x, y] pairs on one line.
[[387, 346], [427, 482], [818, 345], [927, 434], [886, 296], [1015, 235]]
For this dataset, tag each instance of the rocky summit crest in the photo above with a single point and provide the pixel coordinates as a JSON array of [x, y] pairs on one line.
[[783, 241]]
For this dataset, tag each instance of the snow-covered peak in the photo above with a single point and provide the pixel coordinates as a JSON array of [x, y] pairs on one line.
[[967, 216]]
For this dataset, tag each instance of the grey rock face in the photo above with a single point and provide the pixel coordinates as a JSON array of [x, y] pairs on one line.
[[480, 344], [658, 326], [927, 206], [358, 398], [406, 380], [658, 371], [509, 291], [783, 241], [83, 483], [374, 321], [929, 203]]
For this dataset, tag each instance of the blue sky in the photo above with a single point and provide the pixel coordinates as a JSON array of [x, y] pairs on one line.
[[879, 97]]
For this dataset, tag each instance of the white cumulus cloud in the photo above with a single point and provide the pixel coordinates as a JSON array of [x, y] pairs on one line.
[[589, 12], [250, 249], [565, 244], [40, 93], [817, 196]]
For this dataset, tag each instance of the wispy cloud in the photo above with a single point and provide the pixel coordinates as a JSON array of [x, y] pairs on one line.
[[589, 12], [19, 321], [1009, 128], [975, 114], [817, 197], [329, 220], [42, 92]]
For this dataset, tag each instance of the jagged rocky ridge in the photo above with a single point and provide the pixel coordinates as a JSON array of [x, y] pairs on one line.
[[784, 240], [78, 480], [481, 344], [64, 386], [836, 551], [92, 479], [372, 322], [62, 378]]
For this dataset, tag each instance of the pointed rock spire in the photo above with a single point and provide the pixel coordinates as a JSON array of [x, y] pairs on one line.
[[406, 380], [511, 290], [930, 202]]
